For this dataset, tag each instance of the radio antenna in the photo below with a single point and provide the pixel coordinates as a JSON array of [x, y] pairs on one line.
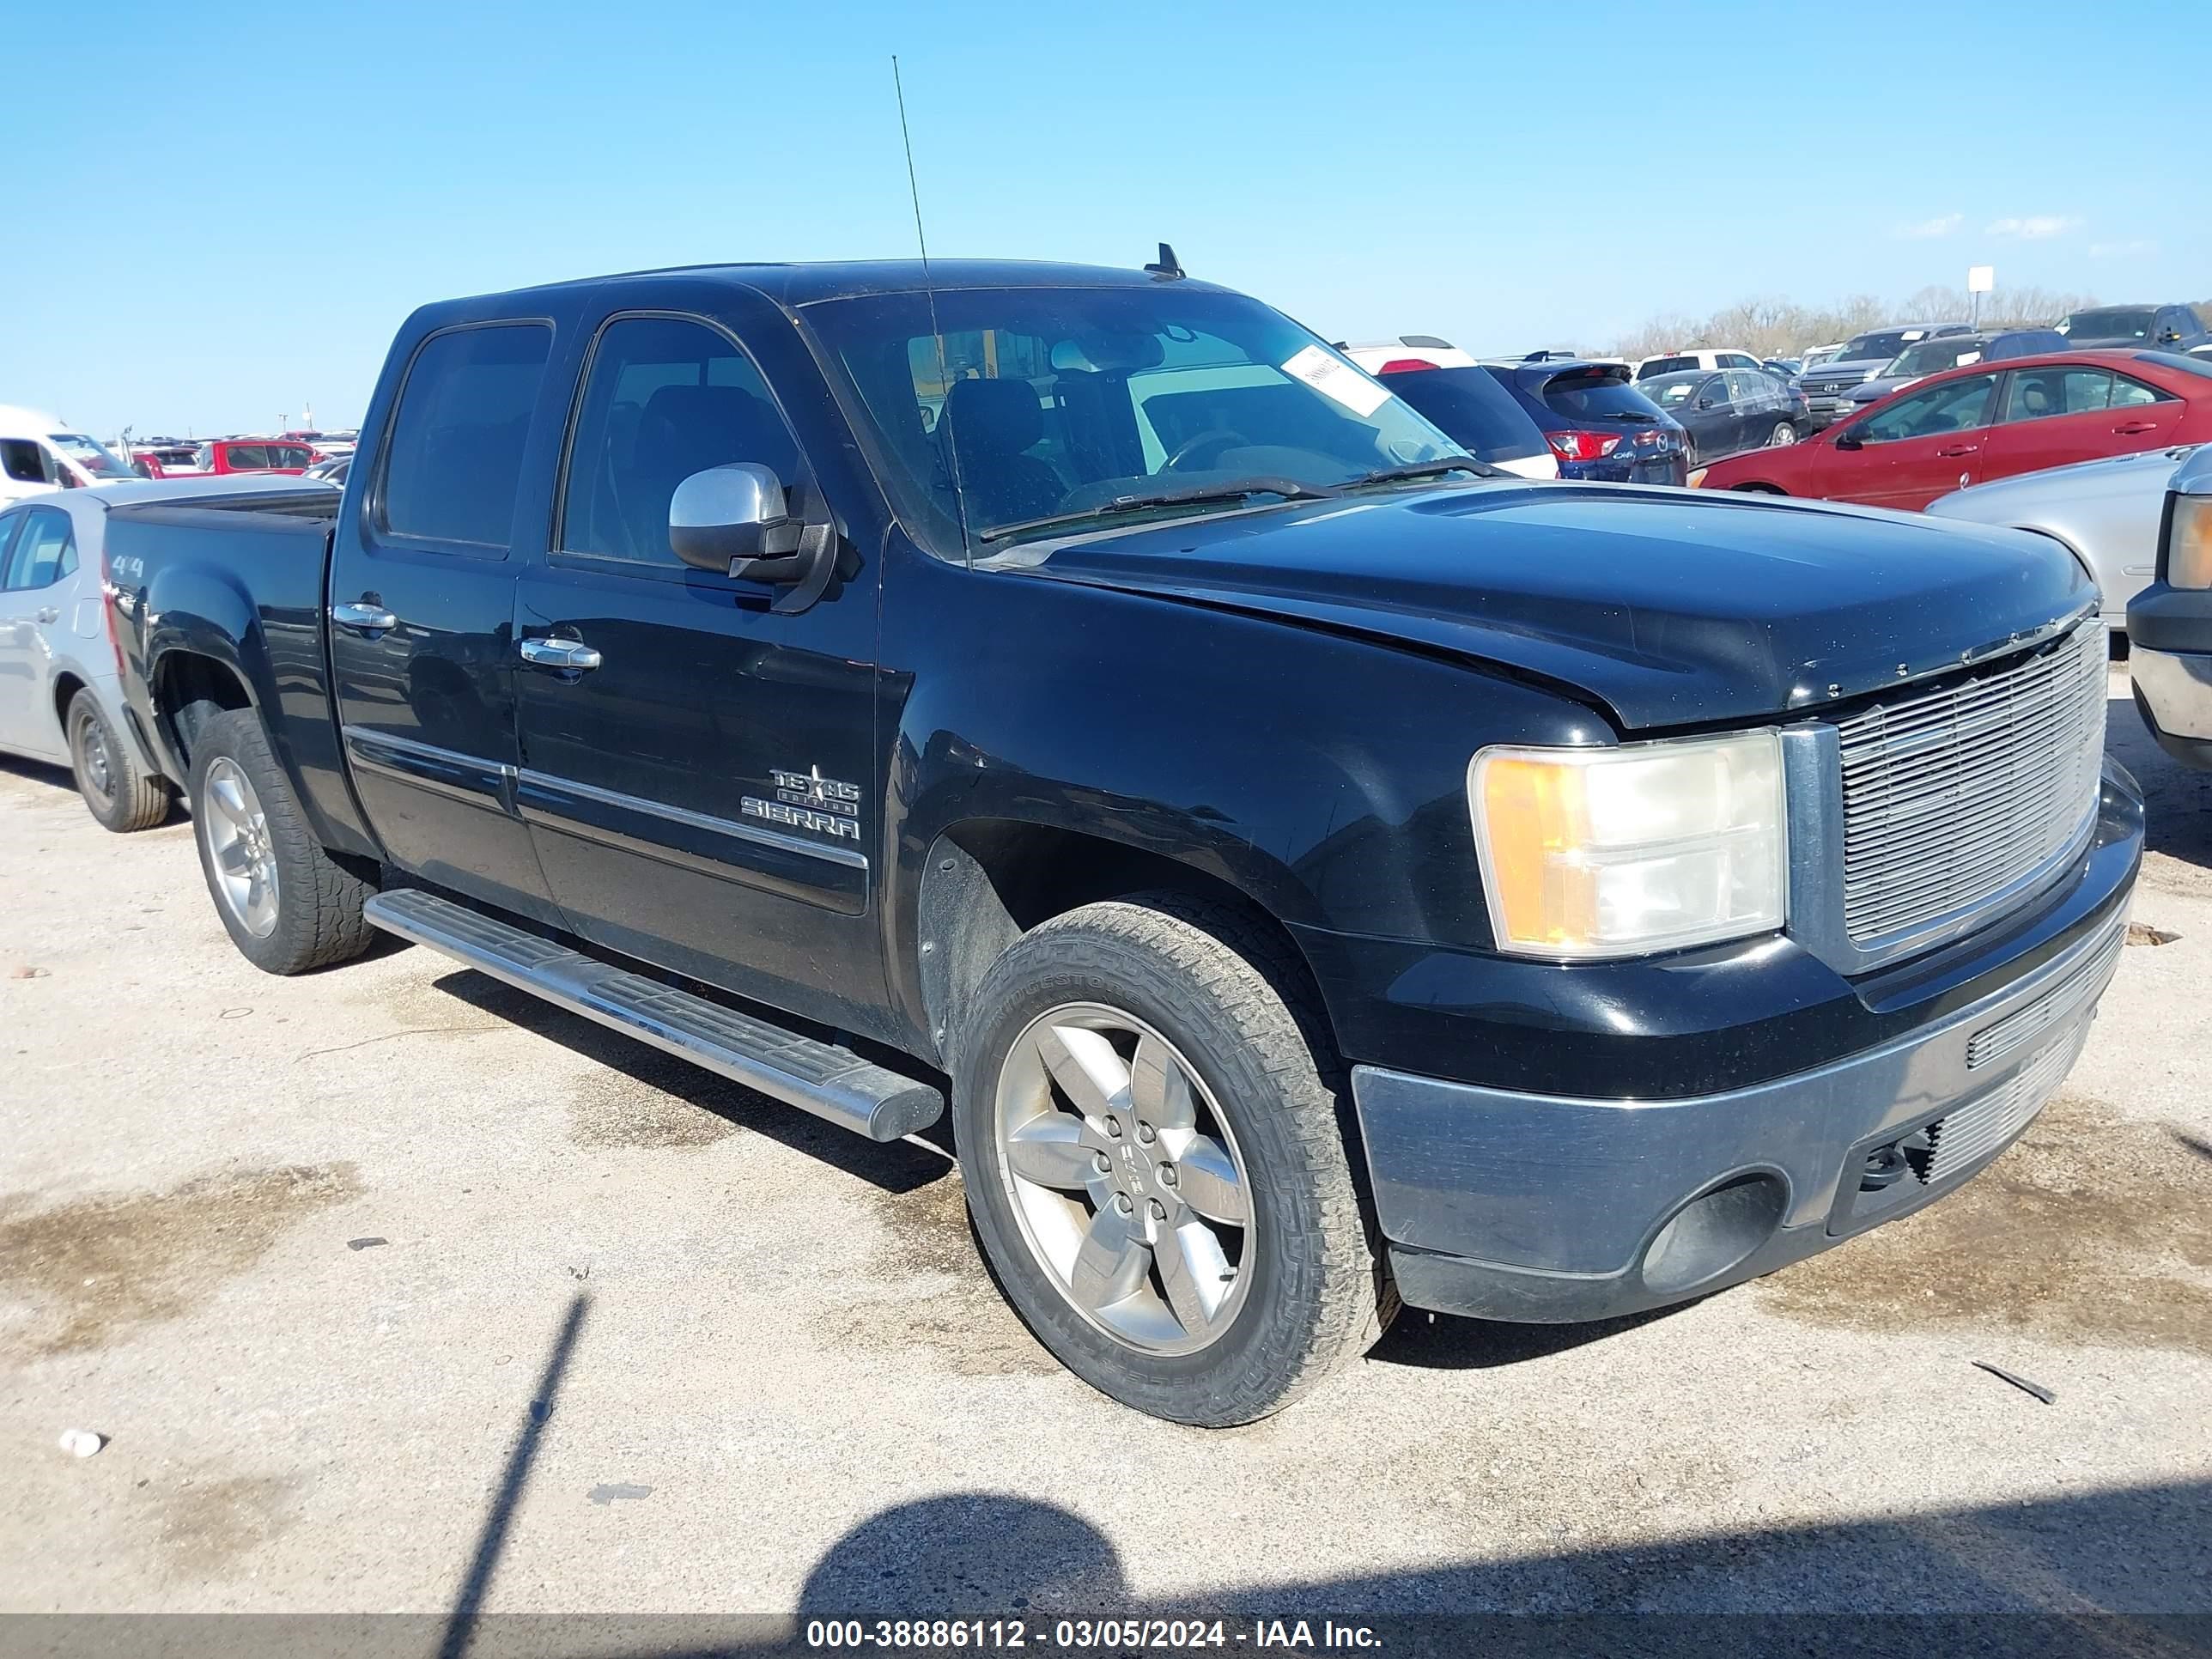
[[936, 333]]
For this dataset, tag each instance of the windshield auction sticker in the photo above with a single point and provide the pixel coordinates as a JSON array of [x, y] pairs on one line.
[[1337, 380]]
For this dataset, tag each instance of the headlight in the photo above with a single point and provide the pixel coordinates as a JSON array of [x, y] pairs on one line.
[[2189, 542], [1646, 847]]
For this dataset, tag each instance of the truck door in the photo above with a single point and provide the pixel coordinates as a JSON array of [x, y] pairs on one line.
[[698, 772], [422, 603]]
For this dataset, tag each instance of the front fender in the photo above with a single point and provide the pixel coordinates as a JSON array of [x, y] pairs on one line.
[[1322, 775]]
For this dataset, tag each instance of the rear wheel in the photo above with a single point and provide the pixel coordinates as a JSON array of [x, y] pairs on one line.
[[121, 794], [1783, 433], [1149, 1138], [287, 905]]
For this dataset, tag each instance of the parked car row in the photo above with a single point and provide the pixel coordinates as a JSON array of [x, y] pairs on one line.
[[1977, 423], [1596, 417], [291, 452]]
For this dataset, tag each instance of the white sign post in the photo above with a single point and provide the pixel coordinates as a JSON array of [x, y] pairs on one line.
[[1980, 280]]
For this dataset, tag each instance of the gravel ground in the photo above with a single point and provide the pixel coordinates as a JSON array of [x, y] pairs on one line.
[[396, 1290]]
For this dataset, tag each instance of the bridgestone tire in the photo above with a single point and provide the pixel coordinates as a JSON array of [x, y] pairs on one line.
[[134, 798], [1227, 992], [318, 903]]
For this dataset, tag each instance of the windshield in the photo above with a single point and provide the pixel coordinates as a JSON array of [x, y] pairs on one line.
[[1473, 411], [2115, 323], [1670, 391], [1884, 345], [1035, 402], [1932, 356], [90, 454]]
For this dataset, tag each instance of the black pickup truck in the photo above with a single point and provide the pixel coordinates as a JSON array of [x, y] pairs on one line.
[[1313, 870]]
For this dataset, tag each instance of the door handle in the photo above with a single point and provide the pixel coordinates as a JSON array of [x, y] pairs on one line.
[[563, 656], [363, 617], [2128, 429], [50, 615], [1959, 449]]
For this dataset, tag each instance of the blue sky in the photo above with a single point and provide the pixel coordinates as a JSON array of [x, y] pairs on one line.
[[233, 216]]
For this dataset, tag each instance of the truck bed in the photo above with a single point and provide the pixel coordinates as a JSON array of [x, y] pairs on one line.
[[235, 581]]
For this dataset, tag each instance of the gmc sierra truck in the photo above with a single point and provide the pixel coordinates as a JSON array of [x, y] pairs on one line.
[[1310, 869]]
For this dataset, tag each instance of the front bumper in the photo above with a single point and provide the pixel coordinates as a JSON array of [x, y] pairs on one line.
[[1504, 1204], [2173, 691]]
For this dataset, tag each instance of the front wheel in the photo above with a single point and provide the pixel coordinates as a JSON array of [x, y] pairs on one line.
[[1149, 1138], [1783, 433], [120, 794], [286, 903]]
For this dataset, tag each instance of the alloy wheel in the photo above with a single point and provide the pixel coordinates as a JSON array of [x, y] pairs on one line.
[[1125, 1178], [239, 849]]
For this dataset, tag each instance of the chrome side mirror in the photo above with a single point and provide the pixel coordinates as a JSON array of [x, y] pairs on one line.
[[726, 515]]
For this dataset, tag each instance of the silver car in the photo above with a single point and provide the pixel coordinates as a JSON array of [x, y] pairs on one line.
[[59, 696], [2171, 665], [2104, 512]]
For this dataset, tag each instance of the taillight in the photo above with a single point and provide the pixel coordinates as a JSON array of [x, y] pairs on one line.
[[107, 597], [1404, 366], [1583, 445]]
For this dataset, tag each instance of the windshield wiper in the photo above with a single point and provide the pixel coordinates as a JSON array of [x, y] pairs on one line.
[[1429, 469], [1237, 491]]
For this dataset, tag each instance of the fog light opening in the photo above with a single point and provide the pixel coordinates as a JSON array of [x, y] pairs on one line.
[[1714, 1232]]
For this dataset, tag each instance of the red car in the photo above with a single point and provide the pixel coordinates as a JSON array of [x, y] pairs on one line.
[[222, 455], [1969, 425]]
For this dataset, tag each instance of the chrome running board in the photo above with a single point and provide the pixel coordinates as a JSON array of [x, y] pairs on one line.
[[831, 1082]]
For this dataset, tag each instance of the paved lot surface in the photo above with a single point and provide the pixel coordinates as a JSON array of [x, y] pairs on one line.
[[398, 1290]]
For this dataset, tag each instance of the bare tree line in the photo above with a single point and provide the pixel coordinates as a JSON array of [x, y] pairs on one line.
[[1778, 328]]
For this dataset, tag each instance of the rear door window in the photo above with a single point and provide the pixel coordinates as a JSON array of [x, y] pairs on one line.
[[2133, 394], [2038, 393], [452, 459], [45, 552], [1471, 408]]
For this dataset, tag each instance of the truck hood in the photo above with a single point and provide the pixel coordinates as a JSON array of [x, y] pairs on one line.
[[1849, 371], [1874, 391], [1666, 607]]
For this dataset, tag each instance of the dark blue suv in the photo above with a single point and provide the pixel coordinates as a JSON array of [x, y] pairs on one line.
[[1598, 424]]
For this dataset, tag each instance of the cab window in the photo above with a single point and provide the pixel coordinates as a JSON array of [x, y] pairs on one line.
[[453, 458], [665, 399]]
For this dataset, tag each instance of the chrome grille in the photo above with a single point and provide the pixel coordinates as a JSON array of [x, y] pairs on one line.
[[1953, 797], [1982, 1126], [1995, 1042]]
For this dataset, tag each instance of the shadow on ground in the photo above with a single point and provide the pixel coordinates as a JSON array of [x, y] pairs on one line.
[[2177, 798]]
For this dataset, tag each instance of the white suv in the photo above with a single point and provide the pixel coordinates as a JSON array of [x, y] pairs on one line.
[[1671, 363]]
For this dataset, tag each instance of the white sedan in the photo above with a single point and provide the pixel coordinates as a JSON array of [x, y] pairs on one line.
[[60, 697]]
